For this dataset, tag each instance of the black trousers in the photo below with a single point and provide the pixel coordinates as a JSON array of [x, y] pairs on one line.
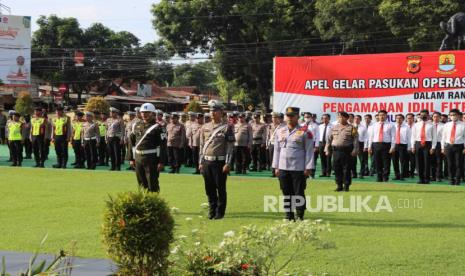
[[114, 146], [422, 159], [28, 148], [382, 160], [271, 155], [16, 147], [412, 164], [147, 172], [363, 159], [61, 150], [400, 160], [195, 157], [38, 147], [174, 158], [78, 152], [436, 163], [187, 159], [325, 160], [258, 157], [373, 169], [342, 160], [454, 156], [215, 186], [241, 157], [47, 148], [293, 185], [91, 155], [102, 152]]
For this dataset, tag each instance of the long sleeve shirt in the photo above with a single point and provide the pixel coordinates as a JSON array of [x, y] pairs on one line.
[[459, 137], [430, 133], [388, 135]]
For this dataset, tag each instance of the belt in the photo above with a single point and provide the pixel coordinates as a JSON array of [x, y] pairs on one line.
[[256, 139], [343, 148], [88, 139], [214, 158], [150, 151]]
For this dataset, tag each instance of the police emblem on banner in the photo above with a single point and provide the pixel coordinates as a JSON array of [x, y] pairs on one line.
[[447, 64], [413, 64]]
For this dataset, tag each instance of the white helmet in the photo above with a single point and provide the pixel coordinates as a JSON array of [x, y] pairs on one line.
[[147, 107]]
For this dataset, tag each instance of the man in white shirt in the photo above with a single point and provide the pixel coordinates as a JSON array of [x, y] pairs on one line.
[[410, 122], [403, 146], [437, 157], [452, 142], [362, 137], [381, 144], [424, 142], [310, 126], [369, 125], [325, 131]]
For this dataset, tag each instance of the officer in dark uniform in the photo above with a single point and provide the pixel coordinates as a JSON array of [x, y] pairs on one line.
[[148, 149], [343, 145], [216, 158], [293, 159]]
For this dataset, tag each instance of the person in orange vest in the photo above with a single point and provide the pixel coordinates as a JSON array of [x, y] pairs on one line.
[[37, 137], [16, 139], [61, 135]]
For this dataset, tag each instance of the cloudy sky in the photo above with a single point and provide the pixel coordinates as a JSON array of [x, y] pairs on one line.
[[133, 16]]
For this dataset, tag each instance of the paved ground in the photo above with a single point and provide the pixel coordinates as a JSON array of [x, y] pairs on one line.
[[18, 262]]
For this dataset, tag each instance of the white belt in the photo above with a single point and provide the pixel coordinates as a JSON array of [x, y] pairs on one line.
[[92, 138], [150, 151], [214, 158]]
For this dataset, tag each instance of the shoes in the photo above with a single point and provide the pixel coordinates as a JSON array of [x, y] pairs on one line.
[[339, 189], [57, 166], [346, 188], [219, 216]]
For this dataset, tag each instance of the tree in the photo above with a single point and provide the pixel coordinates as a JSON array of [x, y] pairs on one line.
[[244, 36], [194, 106], [24, 104], [97, 104], [202, 75]]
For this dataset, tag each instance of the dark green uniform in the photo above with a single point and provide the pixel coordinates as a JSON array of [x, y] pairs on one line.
[[147, 153]]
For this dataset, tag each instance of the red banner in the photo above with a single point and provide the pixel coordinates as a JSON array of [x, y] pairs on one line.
[[399, 82]]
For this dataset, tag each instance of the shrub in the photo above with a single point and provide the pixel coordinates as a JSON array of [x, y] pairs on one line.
[[98, 104], [24, 104], [194, 106], [138, 231], [250, 251]]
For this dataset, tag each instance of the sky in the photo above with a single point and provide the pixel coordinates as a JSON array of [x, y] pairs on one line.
[[133, 16]]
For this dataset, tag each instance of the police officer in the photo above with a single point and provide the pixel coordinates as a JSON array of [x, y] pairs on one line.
[[216, 152], [102, 148], [276, 123], [38, 131], [114, 138], [310, 125], [148, 149], [244, 138], [192, 117], [207, 118], [61, 135], [77, 144], [127, 132], [90, 136], [258, 143], [176, 141], [16, 139], [195, 141], [343, 144], [27, 133], [292, 161]]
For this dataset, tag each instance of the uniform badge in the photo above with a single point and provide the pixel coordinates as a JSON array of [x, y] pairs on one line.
[[299, 132], [413, 64]]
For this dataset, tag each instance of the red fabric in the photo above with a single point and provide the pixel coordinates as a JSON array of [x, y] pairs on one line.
[[398, 135], [423, 134], [381, 133], [452, 134]]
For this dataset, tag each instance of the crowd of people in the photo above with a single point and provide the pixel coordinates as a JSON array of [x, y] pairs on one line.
[[415, 144]]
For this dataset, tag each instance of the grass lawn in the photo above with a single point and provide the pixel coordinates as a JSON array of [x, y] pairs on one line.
[[68, 205]]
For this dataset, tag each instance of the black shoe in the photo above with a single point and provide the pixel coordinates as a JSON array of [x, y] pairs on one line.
[[421, 182], [290, 216], [361, 177], [452, 182], [211, 215], [172, 171], [111, 169], [385, 179], [426, 182], [354, 176], [219, 216], [339, 189], [253, 170], [19, 165], [42, 165], [346, 188], [57, 166], [13, 165], [37, 165], [244, 172], [118, 168], [237, 172], [379, 180], [396, 178], [322, 175], [73, 164]]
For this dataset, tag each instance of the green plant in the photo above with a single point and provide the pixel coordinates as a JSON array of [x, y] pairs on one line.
[[251, 251], [138, 231], [98, 104], [24, 103], [61, 265], [194, 106]]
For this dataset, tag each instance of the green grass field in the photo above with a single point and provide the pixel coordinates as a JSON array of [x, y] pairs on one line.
[[68, 204]]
